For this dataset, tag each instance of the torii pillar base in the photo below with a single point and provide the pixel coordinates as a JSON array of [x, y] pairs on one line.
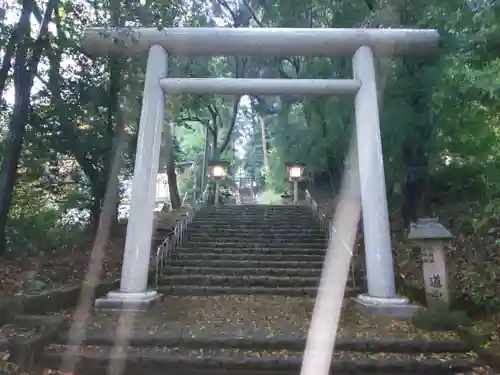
[[122, 301], [395, 307]]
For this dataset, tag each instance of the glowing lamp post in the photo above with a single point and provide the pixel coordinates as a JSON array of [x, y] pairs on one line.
[[295, 172], [218, 172]]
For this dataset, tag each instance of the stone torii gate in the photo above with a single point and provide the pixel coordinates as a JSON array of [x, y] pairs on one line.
[[362, 44]]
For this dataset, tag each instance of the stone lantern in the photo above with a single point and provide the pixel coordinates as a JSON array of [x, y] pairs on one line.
[[431, 237], [218, 172], [295, 172]]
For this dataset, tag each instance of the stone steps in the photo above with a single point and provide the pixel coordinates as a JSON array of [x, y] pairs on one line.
[[266, 281], [154, 362], [303, 212], [259, 221], [207, 354], [261, 226], [279, 217], [254, 228], [242, 263], [245, 250], [257, 208], [246, 256], [277, 214], [295, 342], [248, 250], [290, 272], [251, 237], [265, 209], [217, 290], [264, 250], [254, 244], [261, 241], [269, 234], [226, 259], [242, 229]]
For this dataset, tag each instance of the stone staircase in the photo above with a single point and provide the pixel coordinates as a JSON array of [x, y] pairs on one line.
[[249, 249], [246, 196], [239, 295]]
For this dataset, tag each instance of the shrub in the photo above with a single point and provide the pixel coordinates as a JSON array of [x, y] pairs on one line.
[[438, 317]]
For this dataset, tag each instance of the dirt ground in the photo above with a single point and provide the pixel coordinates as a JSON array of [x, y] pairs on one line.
[[36, 273], [31, 274]]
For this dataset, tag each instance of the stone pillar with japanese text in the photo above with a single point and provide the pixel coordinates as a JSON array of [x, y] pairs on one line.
[[430, 235]]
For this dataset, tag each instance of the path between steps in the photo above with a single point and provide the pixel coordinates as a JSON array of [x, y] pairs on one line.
[[214, 319], [256, 316], [246, 196]]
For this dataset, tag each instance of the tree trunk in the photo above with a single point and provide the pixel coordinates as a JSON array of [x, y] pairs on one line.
[[9, 50], [416, 148], [175, 199], [232, 124], [24, 72], [414, 191], [17, 128], [264, 143], [416, 169], [96, 205], [214, 151]]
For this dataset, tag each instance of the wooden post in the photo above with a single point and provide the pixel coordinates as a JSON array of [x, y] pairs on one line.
[[217, 192], [295, 192]]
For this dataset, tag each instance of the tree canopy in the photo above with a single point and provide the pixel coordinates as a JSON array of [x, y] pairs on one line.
[[62, 111]]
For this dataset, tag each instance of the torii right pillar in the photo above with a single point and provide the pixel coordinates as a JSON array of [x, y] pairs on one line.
[[381, 298]]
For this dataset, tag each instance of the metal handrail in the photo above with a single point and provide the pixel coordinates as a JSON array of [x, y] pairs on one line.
[[325, 224], [175, 239], [184, 198], [191, 169], [162, 250], [203, 198], [320, 214]]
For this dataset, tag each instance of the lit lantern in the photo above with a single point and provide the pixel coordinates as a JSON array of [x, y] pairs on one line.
[[295, 172], [218, 171]]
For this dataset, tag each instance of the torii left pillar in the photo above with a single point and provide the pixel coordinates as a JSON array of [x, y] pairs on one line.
[[134, 293]]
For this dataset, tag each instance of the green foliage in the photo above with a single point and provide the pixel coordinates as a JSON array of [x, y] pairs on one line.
[[269, 197], [438, 317], [459, 182], [276, 176], [33, 286], [41, 233], [440, 119], [36, 222], [477, 253]]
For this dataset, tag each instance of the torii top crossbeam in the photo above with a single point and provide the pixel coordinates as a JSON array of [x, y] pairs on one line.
[[223, 41]]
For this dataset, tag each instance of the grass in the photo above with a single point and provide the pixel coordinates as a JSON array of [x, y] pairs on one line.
[[269, 197]]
